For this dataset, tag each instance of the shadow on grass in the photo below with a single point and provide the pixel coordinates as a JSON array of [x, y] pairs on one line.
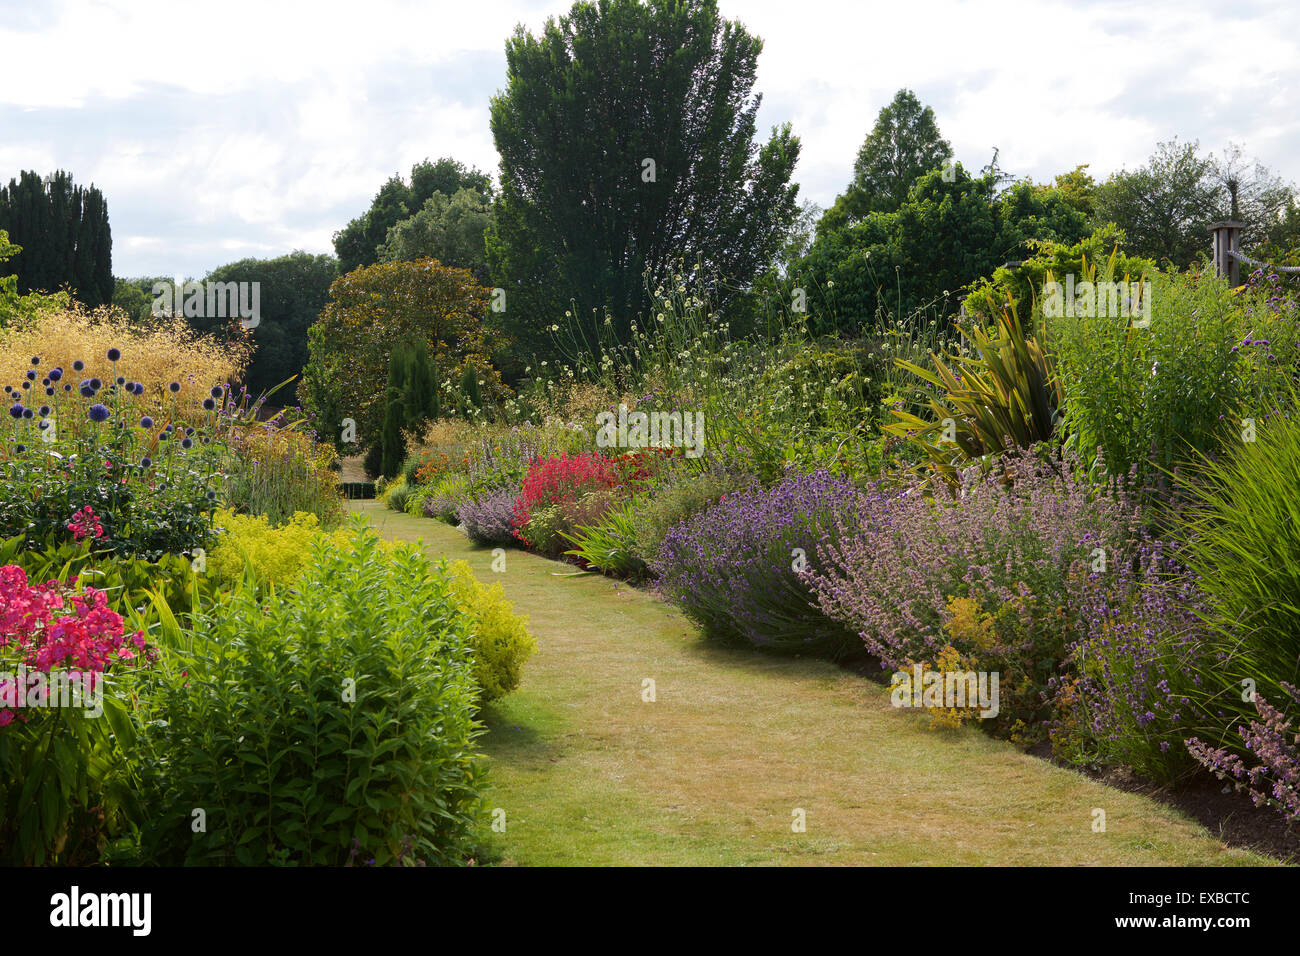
[[517, 736]]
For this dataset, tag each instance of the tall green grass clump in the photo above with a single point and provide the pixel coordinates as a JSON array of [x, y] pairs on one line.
[[1243, 542]]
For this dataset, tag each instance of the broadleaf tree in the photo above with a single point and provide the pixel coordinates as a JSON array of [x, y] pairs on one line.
[[357, 243], [626, 132], [371, 311]]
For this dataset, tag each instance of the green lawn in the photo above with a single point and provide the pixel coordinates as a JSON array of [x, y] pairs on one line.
[[713, 770]]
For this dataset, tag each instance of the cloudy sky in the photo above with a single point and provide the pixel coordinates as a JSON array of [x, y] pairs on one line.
[[219, 130]]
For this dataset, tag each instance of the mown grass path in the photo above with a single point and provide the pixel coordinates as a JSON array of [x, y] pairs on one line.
[[713, 770]]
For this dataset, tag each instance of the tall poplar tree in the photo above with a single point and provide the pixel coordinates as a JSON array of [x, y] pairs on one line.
[[626, 132]]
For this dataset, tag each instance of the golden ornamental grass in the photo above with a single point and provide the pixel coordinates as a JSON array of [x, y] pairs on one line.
[[163, 351]]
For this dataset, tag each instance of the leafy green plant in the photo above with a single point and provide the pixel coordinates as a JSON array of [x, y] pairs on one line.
[[1018, 287], [326, 720], [543, 529], [610, 544], [1151, 395], [441, 499], [680, 494], [396, 493], [502, 643], [275, 554], [1005, 393]]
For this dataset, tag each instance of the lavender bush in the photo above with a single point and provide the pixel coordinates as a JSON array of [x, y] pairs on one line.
[[1145, 674], [994, 572], [1275, 779], [735, 569], [487, 518], [443, 498]]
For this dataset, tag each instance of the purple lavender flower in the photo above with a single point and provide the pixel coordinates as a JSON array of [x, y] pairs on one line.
[[740, 568]]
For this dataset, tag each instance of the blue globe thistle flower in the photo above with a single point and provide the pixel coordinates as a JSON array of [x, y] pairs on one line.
[[146, 461], [174, 387], [20, 448], [187, 443], [56, 374], [49, 390], [216, 391], [28, 413], [121, 380], [146, 422], [114, 355], [45, 410], [78, 365], [31, 374], [209, 404], [9, 389], [36, 360], [26, 386], [98, 413], [96, 384], [87, 392], [67, 386], [16, 411]]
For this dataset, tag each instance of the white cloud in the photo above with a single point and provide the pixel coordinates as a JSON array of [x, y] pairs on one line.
[[249, 127]]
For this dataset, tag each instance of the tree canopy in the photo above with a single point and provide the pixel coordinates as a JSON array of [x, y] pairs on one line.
[[903, 146], [1165, 207], [626, 133], [373, 310], [64, 234], [293, 291], [357, 243], [952, 230], [448, 228]]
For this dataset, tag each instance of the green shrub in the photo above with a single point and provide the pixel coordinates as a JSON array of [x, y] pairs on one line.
[[543, 529], [1152, 397], [415, 498], [326, 722], [396, 493], [500, 636], [276, 555], [1020, 285]]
